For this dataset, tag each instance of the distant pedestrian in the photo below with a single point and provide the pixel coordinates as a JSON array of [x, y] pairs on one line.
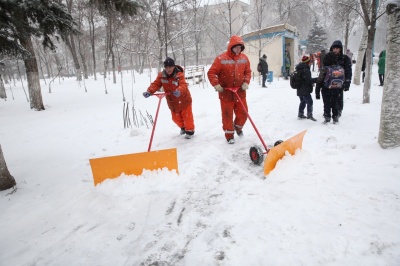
[[318, 58], [345, 62], [363, 66], [231, 70], [312, 60], [381, 67], [179, 100], [306, 88], [321, 59], [350, 54], [263, 69], [288, 64]]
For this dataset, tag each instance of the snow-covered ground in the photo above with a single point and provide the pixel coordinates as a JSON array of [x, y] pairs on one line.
[[336, 202]]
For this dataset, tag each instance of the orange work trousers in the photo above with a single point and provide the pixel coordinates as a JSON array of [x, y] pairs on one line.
[[228, 109], [184, 119]]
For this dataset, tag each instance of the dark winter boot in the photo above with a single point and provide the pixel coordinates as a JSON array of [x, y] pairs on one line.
[[336, 120], [311, 118], [189, 134], [239, 131], [302, 117], [327, 120], [182, 132]]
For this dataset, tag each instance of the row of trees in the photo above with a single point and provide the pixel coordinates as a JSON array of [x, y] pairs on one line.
[[139, 34]]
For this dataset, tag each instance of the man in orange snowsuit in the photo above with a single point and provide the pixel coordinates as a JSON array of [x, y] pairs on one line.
[[179, 99], [231, 70]]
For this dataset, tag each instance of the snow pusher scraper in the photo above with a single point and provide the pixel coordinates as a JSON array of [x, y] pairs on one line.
[[134, 164], [275, 153]]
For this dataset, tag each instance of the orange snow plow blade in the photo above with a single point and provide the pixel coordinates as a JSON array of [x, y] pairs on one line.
[[276, 153], [132, 164]]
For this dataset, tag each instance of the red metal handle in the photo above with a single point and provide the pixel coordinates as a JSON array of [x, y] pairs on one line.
[[160, 95], [234, 90]]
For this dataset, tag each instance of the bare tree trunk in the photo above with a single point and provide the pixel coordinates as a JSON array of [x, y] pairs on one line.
[[92, 42], [6, 179], [368, 72], [71, 45], [370, 22], [113, 66], [346, 35], [32, 74], [69, 39], [3, 94], [360, 56], [389, 131], [164, 8], [83, 60]]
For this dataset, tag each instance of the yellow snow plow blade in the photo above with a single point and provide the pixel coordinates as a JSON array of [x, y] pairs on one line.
[[277, 152], [132, 164]]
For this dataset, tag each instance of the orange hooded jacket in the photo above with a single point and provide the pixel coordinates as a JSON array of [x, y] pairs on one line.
[[171, 83], [230, 70]]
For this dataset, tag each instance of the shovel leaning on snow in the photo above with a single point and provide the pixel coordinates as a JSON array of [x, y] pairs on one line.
[[135, 163], [275, 153]]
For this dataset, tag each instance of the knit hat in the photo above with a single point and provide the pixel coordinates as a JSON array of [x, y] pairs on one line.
[[305, 59], [330, 59], [169, 62], [264, 56]]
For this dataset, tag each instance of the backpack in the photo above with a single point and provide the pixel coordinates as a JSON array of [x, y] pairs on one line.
[[259, 67], [295, 79], [334, 78]]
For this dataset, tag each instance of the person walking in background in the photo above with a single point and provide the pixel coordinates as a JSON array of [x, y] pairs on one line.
[[312, 59], [179, 99], [363, 67], [345, 62], [318, 58], [306, 88], [288, 64], [381, 67], [321, 59], [263, 69], [330, 80], [231, 70], [349, 54]]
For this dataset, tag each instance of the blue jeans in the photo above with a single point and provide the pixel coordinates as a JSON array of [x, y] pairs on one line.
[[306, 100]]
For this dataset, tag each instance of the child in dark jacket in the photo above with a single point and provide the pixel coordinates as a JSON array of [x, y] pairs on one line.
[[330, 96], [304, 92]]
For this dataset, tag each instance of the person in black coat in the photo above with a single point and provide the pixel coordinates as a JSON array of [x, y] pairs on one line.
[[264, 69], [329, 96], [304, 92], [363, 67], [345, 62]]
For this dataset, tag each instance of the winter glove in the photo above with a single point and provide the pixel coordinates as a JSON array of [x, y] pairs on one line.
[[346, 85], [218, 88], [317, 96], [176, 93], [245, 86], [146, 94]]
